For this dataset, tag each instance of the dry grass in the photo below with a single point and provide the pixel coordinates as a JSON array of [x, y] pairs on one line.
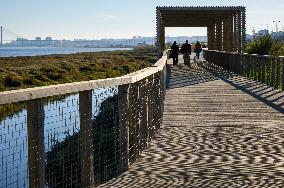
[[25, 72]]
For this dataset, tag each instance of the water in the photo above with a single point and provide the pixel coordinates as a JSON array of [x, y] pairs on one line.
[[58, 134], [35, 51]]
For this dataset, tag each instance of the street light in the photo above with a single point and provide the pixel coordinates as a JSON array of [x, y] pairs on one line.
[[276, 26]]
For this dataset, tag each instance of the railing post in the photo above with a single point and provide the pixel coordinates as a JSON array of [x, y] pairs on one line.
[[239, 63], [242, 68], [151, 107], [273, 62], [248, 57], [263, 69], [157, 99], [86, 139], [143, 127], [123, 113], [282, 62], [36, 154], [254, 61], [133, 122], [259, 72], [267, 67], [277, 81]]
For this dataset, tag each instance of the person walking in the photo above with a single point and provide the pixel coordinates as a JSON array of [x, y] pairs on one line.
[[174, 53], [186, 51], [197, 49]]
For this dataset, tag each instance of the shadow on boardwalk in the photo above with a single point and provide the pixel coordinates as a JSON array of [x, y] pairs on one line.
[[269, 96], [213, 135]]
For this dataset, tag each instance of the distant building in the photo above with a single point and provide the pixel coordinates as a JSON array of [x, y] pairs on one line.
[[38, 38], [278, 35], [48, 38], [263, 32], [143, 44]]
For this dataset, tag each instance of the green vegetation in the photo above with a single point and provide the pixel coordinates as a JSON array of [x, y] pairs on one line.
[[25, 72], [265, 45], [8, 109], [270, 69]]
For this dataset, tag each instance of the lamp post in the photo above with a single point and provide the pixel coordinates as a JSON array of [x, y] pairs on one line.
[[1, 35], [276, 27]]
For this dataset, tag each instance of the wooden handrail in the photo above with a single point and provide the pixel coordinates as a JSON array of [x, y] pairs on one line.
[[62, 89]]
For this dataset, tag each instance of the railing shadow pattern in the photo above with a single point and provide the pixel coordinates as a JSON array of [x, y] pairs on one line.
[[256, 88], [213, 135]]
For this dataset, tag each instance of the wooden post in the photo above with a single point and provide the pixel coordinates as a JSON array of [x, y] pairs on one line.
[[36, 154], [143, 127], [219, 35], [133, 122], [243, 45], [123, 113], [277, 81], [210, 35], [158, 29], [263, 69], [151, 107], [273, 64], [282, 62], [239, 32], [254, 60], [86, 139], [268, 69], [248, 61], [228, 34], [259, 72]]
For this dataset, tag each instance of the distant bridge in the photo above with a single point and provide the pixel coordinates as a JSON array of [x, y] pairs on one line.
[[6, 35]]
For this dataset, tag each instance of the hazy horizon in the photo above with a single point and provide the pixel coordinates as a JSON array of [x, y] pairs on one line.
[[97, 19]]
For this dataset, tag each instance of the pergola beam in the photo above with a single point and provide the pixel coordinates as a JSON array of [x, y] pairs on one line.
[[225, 25]]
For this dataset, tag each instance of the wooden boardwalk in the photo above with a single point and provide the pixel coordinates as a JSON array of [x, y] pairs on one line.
[[219, 130]]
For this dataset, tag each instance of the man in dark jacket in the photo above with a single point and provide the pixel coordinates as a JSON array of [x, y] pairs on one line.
[[174, 53], [186, 51]]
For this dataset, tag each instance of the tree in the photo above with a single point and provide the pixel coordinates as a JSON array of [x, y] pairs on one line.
[[265, 45]]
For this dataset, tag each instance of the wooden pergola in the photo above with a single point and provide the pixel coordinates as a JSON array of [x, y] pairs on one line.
[[225, 25]]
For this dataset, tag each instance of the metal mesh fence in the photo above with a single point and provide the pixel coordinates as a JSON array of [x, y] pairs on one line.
[[79, 140]]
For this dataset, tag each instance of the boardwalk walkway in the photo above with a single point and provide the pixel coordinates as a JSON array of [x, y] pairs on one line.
[[218, 131]]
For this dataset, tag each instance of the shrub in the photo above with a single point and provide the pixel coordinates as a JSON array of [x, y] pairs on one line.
[[13, 80], [277, 49], [265, 45]]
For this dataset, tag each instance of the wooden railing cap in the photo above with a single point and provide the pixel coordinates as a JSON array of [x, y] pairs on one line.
[[68, 88]]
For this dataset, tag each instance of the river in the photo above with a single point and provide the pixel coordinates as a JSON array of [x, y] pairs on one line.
[[35, 51]]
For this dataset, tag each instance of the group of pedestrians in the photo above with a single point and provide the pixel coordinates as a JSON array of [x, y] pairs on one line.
[[186, 51]]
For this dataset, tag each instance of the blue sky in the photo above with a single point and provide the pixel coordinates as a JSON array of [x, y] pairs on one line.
[[95, 19]]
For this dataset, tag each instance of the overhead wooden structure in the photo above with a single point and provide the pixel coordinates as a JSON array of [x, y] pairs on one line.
[[225, 25]]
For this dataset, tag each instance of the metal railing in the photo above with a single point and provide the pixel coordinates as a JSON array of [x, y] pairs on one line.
[[266, 69], [79, 134]]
